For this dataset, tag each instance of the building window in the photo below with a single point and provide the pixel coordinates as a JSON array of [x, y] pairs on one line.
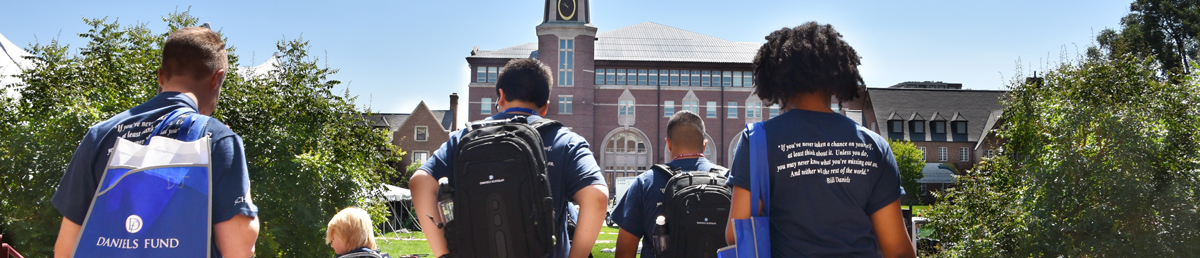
[[897, 126], [989, 153], [653, 77], [641, 77], [421, 133], [748, 79], [625, 107], [485, 106], [704, 78], [419, 157], [960, 127], [610, 76], [774, 111], [566, 62], [693, 106], [621, 77], [924, 190], [599, 76], [737, 79], [564, 104], [943, 154], [696, 78], [753, 109], [712, 109], [493, 73], [964, 154], [664, 77], [481, 74], [918, 126], [835, 107], [938, 127], [683, 78], [924, 156], [732, 109], [674, 78], [727, 79], [668, 108]]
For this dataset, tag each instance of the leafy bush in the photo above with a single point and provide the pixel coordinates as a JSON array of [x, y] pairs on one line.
[[309, 152]]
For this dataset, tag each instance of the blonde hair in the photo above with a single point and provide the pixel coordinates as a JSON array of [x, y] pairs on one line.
[[352, 225]]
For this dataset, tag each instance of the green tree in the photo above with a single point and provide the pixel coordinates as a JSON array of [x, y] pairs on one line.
[[309, 152], [1102, 159], [911, 161], [1164, 29]]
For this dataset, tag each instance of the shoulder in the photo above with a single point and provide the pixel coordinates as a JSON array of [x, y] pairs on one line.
[[219, 130]]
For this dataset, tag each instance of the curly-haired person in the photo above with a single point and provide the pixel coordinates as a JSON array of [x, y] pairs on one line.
[[835, 186]]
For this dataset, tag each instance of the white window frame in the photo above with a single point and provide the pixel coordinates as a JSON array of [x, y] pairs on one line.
[[943, 154], [773, 111], [964, 154], [712, 109], [419, 157], [493, 73], [732, 110], [566, 62], [924, 155], [693, 106], [485, 106], [481, 74], [668, 108], [417, 135], [564, 104]]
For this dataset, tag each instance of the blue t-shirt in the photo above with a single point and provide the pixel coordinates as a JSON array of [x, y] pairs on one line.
[[640, 206], [231, 179], [828, 175], [571, 168]]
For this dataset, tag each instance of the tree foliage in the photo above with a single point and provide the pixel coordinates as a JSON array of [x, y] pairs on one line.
[[911, 161], [1166, 30], [309, 151], [1102, 159]]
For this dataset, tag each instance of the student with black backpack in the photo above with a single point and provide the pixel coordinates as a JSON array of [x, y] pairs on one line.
[[678, 209], [500, 187]]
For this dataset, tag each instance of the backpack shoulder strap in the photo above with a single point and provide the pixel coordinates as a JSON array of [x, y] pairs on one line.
[[545, 123], [666, 168], [719, 170]]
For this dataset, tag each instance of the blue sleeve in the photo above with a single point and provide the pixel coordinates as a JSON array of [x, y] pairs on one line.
[[739, 173], [441, 162], [582, 164], [887, 179], [628, 214], [78, 183], [231, 180]]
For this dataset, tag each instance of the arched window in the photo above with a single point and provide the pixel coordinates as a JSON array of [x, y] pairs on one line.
[[627, 153]]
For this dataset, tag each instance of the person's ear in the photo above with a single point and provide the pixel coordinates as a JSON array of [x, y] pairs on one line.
[[217, 79], [668, 144], [500, 99], [544, 109], [705, 145], [162, 81]]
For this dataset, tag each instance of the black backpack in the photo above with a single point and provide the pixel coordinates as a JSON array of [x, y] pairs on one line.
[[696, 208], [502, 202]]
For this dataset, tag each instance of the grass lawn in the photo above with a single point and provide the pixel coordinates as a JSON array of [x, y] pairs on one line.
[[414, 243]]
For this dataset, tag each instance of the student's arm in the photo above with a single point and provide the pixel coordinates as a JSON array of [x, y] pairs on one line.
[[891, 233], [236, 236], [424, 198], [593, 202], [68, 233], [627, 244], [739, 209]]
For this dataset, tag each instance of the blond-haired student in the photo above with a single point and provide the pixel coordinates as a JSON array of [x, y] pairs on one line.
[[352, 235]]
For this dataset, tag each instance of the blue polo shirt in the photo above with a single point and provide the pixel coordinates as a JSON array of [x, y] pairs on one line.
[[640, 206], [573, 167], [828, 175], [231, 179]]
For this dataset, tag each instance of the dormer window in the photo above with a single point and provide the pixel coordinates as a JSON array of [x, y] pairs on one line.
[[960, 127], [917, 126], [939, 127], [897, 126]]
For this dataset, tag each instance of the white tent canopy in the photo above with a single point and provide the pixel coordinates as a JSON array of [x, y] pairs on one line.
[[395, 193], [11, 64], [937, 173]]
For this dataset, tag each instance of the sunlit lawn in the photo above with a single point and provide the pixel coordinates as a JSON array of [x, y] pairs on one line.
[[414, 243]]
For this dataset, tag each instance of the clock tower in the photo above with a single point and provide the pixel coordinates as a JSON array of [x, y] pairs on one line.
[[566, 43]]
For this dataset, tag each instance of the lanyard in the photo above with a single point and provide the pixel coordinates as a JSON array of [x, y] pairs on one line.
[[689, 155], [520, 109]]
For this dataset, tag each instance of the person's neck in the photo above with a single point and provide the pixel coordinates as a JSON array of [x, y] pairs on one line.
[[515, 104], [812, 101], [675, 155]]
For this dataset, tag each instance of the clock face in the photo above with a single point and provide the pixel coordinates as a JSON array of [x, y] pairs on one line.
[[566, 10]]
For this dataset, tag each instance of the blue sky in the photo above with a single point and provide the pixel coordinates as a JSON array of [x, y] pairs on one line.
[[393, 54]]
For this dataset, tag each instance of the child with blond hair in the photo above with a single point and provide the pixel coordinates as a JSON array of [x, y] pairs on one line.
[[351, 234]]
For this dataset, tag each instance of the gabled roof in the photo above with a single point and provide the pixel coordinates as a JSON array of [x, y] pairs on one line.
[[968, 103], [937, 117], [894, 116], [916, 116], [958, 117], [650, 41], [390, 120], [995, 119]]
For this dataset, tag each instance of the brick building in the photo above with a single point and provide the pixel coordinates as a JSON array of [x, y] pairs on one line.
[[952, 126], [418, 133], [618, 88]]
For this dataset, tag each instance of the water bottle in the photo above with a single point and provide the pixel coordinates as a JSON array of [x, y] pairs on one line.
[[660, 234], [445, 202]]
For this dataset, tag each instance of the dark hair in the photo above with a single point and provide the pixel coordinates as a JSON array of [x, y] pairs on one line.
[[193, 51], [808, 58], [686, 129], [525, 79]]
